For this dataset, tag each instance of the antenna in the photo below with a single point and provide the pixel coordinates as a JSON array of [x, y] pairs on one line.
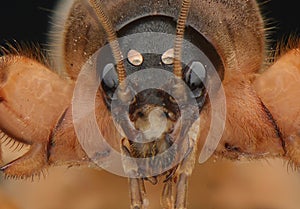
[[112, 38], [185, 7]]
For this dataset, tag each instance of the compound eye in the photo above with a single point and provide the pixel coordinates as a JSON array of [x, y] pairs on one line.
[[109, 80], [135, 58], [195, 77]]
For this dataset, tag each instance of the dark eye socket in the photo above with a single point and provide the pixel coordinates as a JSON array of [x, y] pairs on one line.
[[109, 80], [195, 76]]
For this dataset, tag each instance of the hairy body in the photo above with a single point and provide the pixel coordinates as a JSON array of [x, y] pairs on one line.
[[36, 103]]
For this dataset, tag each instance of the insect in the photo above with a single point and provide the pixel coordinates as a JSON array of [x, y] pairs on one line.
[[164, 80]]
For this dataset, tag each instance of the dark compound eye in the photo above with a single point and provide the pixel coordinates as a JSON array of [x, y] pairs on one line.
[[109, 81], [195, 77]]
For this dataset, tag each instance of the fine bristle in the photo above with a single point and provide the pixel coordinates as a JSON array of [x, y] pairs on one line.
[[275, 48], [10, 143], [281, 47], [55, 36], [286, 44], [33, 178], [30, 50], [270, 28]]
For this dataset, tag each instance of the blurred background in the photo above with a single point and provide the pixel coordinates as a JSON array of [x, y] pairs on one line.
[[218, 184], [25, 20], [28, 20]]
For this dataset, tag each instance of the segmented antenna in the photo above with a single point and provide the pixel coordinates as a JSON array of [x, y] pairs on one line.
[[185, 7], [112, 38]]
